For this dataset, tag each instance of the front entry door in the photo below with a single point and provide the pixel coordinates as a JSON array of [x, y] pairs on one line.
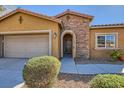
[[67, 45]]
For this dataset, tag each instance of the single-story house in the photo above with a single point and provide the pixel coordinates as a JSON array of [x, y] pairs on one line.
[[25, 34]]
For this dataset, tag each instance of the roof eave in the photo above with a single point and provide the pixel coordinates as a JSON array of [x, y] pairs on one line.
[[103, 27], [29, 12], [74, 13]]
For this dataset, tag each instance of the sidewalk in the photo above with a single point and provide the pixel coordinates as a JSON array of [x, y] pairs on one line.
[[68, 66]]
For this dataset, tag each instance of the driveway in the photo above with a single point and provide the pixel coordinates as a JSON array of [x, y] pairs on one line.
[[11, 72], [68, 66]]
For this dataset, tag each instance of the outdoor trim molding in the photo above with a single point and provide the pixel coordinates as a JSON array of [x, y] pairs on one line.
[[74, 42], [25, 32], [116, 41], [30, 32], [50, 43]]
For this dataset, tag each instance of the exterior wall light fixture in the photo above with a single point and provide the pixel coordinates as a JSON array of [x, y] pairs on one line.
[[55, 35]]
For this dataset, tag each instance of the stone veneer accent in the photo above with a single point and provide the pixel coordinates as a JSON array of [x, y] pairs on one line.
[[80, 26]]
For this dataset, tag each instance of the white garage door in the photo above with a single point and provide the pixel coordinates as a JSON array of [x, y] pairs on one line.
[[26, 46]]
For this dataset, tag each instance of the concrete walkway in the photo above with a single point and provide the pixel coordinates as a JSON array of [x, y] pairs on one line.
[[69, 66]]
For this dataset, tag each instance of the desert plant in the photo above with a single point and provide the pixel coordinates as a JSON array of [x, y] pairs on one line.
[[121, 56], [107, 81], [41, 71], [115, 55]]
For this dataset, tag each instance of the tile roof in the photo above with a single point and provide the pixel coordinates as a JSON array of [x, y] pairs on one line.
[[107, 25], [74, 13], [31, 13]]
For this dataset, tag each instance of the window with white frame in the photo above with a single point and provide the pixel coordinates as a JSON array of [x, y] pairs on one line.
[[106, 40]]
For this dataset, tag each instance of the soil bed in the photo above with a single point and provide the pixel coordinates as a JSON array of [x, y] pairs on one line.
[[72, 81], [96, 61]]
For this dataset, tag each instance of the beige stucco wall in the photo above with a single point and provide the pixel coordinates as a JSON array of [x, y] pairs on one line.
[[105, 53], [32, 23]]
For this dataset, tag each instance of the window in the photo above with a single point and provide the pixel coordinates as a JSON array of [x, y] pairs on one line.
[[106, 41]]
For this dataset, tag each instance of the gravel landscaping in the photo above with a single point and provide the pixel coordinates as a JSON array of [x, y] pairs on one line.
[[96, 61], [73, 81]]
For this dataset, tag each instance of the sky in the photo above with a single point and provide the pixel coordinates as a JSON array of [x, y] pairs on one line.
[[102, 14]]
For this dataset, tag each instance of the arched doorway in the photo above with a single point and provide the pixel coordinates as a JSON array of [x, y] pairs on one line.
[[68, 43]]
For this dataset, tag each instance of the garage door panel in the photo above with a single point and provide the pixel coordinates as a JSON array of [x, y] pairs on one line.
[[26, 45]]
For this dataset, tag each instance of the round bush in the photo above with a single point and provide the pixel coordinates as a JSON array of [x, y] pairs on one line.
[[107, 81], [41, 71]]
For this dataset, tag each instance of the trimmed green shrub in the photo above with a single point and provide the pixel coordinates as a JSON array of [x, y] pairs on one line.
[[41, 72], [107, 81]]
